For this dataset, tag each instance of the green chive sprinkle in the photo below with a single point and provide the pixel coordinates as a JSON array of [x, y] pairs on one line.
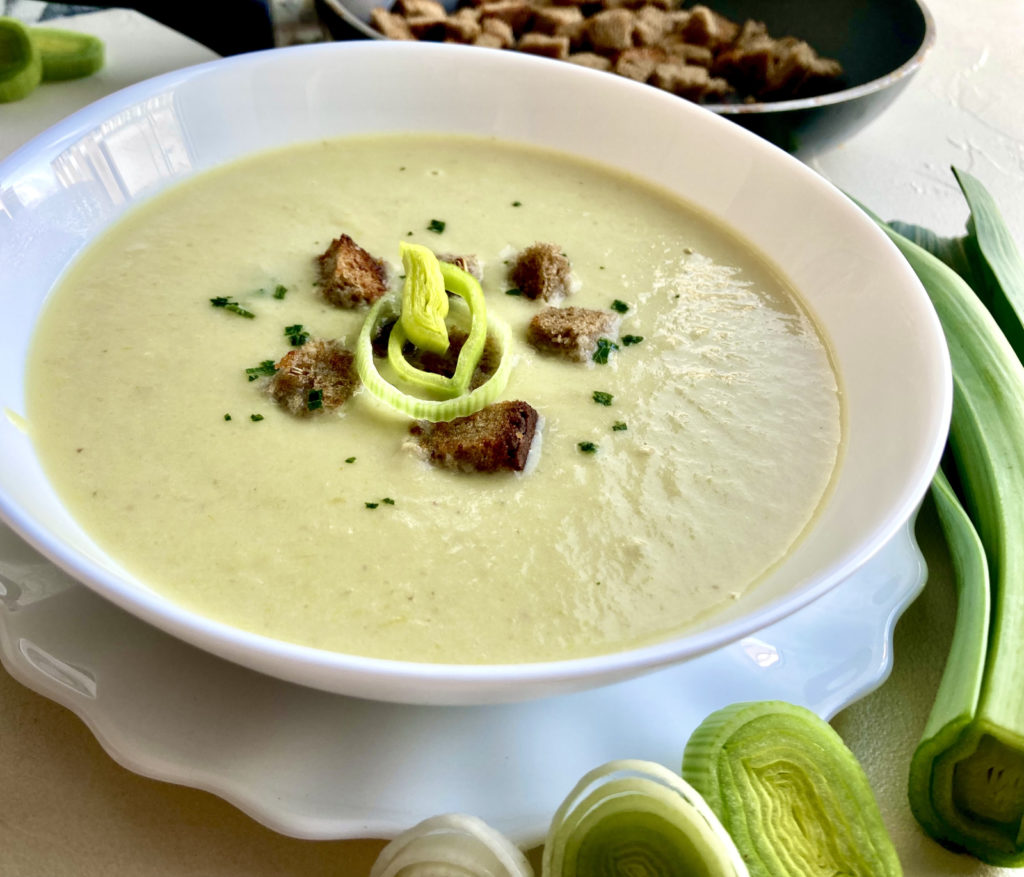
[[296, 335], [620, 306], [315, 400], [513, 291], [371, 505], [436, 226], [388, 500], [280, 291], [587, 447], [255, 418], [604, 348], [603, 398], [227, 416], [517, 203], [350, 459], [224, 301], [264, 369], [632, 339], [619, 426]]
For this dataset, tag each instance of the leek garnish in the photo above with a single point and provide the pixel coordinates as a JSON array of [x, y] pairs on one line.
[[789, 792], [453, 845], [462, 401], [973, 798], [424, 302], [639, 818]]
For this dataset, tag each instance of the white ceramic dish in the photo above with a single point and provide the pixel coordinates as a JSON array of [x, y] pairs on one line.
[[318, 765], [66, 186]]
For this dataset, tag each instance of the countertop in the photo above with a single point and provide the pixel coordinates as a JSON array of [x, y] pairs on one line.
[[69, 809]]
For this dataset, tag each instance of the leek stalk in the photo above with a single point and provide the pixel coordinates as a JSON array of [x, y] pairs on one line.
[[973, 797], [789, 791]]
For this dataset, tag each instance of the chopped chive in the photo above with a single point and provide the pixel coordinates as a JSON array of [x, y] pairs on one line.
[[517, 203], [388, 500], [350, 459], [280, 291], [619, 426], [587, 447], [255, 418], [227, 416], [632, 339], [296, 335], [620, 306], [603, 398], [371, 505], [513, 291], [264, 369], [436, 226], [604, 348], [315, 400], [224, 301]]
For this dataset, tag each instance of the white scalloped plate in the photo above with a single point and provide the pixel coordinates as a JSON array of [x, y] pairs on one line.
[[318, 765]]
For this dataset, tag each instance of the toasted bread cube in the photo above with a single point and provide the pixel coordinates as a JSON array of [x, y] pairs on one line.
[[572, 332], [496, 438], [612, 30], [559, 21], [591, 59], [707, 28], [318, 376], [542, 271], [545, 45], [350, 276], [639, 63], [517, 14], [394, 27]]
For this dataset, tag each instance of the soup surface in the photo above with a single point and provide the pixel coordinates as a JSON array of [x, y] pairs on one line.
[[639, 514]]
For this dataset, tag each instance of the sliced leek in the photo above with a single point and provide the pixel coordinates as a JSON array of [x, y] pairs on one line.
[[452, 845], [791, 794], [424, 301], [67, 54], [637, 818], [21, 67]]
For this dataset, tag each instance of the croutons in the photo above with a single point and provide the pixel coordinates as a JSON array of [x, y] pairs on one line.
[[542, 271], [350, 276], [496, 438], [445, 363], [652, 41], [572, 332], [318, 376]]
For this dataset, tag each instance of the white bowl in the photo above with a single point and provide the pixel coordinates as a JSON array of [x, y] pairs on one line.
[[65, 187]]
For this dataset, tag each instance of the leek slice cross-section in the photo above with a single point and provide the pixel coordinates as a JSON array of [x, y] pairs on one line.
[[789, 791]]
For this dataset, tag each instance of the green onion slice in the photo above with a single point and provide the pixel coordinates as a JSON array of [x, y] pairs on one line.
[[452, 845], [424, 302], [21, 66], [789, 791], [638, 818]]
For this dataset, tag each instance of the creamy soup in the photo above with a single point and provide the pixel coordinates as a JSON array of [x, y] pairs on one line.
[[635, 519]]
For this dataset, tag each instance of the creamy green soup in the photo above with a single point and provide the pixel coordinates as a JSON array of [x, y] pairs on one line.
[[709, 463]]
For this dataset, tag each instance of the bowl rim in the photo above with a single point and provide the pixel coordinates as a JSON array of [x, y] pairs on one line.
[[905, 70], [305, 664]]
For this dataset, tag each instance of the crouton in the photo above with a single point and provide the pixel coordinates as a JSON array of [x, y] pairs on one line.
[[493, 439], [639, 63], [611, 30], [463, 26], [559, 21], [393, 26], [707, 28], [517, 14], [495, 33], [542, 271], [572, 332], [318, 376], [652, 24], [428, 29], [798, 71], [545, 45], [686, 80], [591, 59], [470, 264], [419, 9], [350, 276]]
